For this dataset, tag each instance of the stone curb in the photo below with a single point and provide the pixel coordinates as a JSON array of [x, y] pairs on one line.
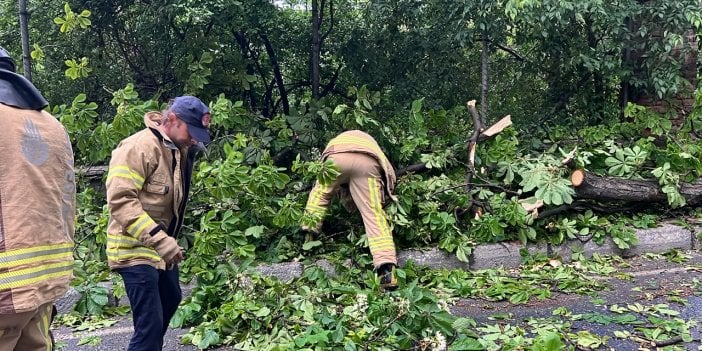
[[654, 240]]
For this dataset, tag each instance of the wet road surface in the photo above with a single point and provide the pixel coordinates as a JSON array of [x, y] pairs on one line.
[[650, 282]]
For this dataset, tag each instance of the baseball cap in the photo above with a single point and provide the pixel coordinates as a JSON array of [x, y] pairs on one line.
[[195, 114]]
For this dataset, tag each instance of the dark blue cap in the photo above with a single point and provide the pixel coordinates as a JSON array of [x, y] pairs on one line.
[[195, 114]]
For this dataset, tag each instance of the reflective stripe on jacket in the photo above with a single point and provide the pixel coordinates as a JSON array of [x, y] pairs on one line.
[[358, 141], [145, 190], [37, 210]]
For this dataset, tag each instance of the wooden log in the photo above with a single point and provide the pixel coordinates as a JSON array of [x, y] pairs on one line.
[[499, 126], [591, 186], [472, 142]]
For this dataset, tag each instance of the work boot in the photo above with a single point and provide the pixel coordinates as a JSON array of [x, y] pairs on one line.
[[310, 235], [388, 277]]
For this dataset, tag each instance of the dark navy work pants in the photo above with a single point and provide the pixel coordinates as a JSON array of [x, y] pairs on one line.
[[154, 296]]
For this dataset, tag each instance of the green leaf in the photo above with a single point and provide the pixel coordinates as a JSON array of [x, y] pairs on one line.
[[311, 244], [263, 312], [255, 231], [210, 338], [548, 341]]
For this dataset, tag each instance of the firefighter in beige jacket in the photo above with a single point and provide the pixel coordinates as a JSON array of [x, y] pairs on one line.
[[147, 190], [369, 178], [37, 213]]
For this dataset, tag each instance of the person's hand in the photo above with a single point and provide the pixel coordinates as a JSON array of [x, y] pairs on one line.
[[176, 259], [167, 247]]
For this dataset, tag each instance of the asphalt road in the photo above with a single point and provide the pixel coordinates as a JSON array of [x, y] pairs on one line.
[[651, 282]]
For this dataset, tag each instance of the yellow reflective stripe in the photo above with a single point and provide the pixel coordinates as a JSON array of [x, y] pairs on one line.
[[115, 254], [380, 241], [352, 140], [37, 254], [315, 209], [376, 248], [126, 172], [122, 241], [43, 326], [29, 276], [313, 203], [120, 247], [377, 208], [140, 224], [313, 206]]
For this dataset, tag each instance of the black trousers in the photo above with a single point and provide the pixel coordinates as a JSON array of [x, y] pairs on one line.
[[154, 296]]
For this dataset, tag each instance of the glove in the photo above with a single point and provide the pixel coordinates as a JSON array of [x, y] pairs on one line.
[[166, 246]]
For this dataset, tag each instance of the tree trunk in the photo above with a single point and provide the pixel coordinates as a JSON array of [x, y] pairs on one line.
[[591, 186], [472, 143], [24, 32], [277, 75], [314, 50], [484, 79], [625, 86]]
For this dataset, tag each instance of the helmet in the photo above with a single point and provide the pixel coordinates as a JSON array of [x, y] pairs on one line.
[[6, 61]]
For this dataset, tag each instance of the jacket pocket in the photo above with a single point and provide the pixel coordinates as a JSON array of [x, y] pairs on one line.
[[154, 199], [156, 188]]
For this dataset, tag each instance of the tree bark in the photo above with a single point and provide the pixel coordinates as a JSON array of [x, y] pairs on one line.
[[591, 186], [484, 87], [315, 46], [278, 75], [472, 143], [24, 31]]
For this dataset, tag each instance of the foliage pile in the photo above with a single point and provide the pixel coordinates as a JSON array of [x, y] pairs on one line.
[[247, 208]]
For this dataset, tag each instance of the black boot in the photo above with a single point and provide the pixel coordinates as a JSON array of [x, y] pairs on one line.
[[388, 277]]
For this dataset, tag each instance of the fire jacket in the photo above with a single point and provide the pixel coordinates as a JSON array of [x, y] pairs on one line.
[[147, 189], [37, 209], [361, 142]]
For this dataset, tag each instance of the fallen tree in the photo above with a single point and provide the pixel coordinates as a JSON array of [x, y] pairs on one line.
[[588, 185]]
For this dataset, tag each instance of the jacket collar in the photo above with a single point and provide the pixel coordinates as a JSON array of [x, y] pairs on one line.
[[152, 120]]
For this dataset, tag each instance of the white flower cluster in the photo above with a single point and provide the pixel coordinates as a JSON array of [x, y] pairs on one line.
[[361, 303], [359, 308], [435, 343], [402, 304], [244, 283], [446, 299], [443, 305]]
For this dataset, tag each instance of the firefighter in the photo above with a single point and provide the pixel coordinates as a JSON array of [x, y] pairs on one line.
[[369, 178], [148, 183], [37, 213]]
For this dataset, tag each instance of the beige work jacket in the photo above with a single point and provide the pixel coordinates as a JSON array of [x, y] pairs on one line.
[[37, 209], [145, 194]]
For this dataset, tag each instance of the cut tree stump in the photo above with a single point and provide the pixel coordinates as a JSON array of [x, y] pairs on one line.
[[591, 186]]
